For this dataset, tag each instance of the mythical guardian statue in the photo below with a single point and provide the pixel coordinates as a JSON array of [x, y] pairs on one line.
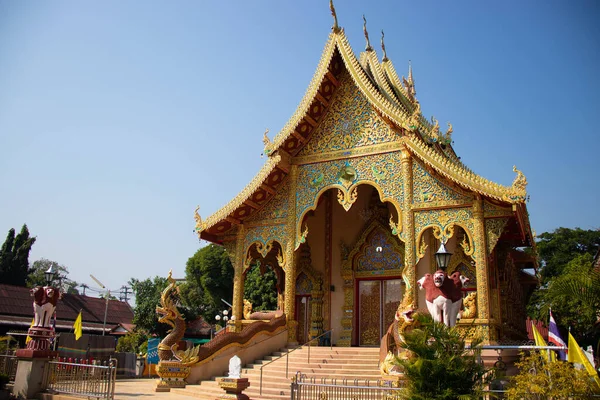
[[390, 342], [44, 304], [168, 314], [443, 295]]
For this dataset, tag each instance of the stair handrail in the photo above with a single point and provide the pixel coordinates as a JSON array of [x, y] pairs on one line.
[[287, 358]]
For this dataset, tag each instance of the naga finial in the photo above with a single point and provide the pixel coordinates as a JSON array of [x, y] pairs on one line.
[[268, 149], [368, 48], [520, 181], [335, 26], [385, 57], [435, 131], [448, 134], [199, 224]]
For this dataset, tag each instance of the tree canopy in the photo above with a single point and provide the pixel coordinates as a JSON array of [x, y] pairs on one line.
[[261, 290], [14, 257], [556, 249], [36, 276], [569, 285], [209, 278], [147, 297]]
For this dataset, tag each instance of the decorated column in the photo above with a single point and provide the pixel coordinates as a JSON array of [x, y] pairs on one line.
[[290, 259], [481, 260], [238, 281], [408, 222]]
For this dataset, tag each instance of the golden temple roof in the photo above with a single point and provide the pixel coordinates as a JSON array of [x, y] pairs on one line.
[[382, 87]]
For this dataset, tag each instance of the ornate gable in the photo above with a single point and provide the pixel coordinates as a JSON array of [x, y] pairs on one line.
[[350, 123]]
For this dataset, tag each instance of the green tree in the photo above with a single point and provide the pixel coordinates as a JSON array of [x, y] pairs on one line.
[[261, 290], [132, 342], [556, 249], [540, 380], [575, 299], [209, 278], [14, 257], [36, 276], [440, 366], [147, 297]]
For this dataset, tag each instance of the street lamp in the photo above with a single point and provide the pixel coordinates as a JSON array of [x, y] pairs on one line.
[[49, 275], [442, 257], [107, 297]]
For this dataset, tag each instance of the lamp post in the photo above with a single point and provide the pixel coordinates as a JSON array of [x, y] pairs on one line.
[[442, 257], [105, 307], [224, 315], [49, 275]]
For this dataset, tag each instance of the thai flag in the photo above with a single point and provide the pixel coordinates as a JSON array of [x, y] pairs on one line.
[[554, 337]]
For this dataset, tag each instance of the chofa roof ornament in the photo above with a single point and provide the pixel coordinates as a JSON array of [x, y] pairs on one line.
[[368, 47], [335, 27]]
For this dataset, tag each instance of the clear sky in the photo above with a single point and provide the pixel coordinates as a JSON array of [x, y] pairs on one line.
[[118, 117]]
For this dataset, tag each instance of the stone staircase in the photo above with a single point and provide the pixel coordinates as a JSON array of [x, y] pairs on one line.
[[339, 362]]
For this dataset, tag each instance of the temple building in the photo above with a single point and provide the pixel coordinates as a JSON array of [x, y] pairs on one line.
[[357, 193]]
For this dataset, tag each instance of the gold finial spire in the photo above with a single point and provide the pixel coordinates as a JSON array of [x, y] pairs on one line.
[[335, 26], [385, 58], [409, 84], [368, 48]]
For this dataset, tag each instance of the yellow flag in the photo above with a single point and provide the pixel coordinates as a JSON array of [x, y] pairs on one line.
[[77, 327], [31, 326], [575, 355], [539, 341]]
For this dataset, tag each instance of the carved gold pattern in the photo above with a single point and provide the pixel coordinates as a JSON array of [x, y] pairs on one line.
[[463, 176], [480, 255], [443, 222], [346, 175], [290, 258], [365, 261], [470, 305], [350, 123], [422, 248], [244, 195], [263, 236], [409, 271], [346, 198], [493, 230], [433, 191], [492, 210], [238, 277], [275, 209], [395, 112]]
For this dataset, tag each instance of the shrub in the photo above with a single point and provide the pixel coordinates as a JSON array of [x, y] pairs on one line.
[[539, 379], [441, 366]]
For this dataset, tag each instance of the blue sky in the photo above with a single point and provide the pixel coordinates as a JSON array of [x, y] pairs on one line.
[[118, 118]]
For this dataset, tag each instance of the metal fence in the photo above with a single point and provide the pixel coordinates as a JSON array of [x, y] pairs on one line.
[[83, 378], [305, 388], [8, 366]]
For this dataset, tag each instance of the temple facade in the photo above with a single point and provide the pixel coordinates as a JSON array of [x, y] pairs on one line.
[[357, 192]]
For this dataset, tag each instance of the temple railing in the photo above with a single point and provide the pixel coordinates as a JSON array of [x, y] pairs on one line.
[[82, 378], [8, 366], [226, 338], [310, 388]]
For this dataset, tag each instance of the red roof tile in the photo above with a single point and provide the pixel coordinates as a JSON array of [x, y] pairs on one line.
[[16, 301]]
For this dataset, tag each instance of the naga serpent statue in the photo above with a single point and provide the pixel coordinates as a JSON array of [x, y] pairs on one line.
[[391, 341], [168, 314]]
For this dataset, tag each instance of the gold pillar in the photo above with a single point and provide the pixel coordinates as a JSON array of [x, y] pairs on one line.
[[238, 281], [481, 260], [290, 259], [408, 225]]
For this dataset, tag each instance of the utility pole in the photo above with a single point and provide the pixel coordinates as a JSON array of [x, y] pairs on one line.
[[84, 286], [124, 294]]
